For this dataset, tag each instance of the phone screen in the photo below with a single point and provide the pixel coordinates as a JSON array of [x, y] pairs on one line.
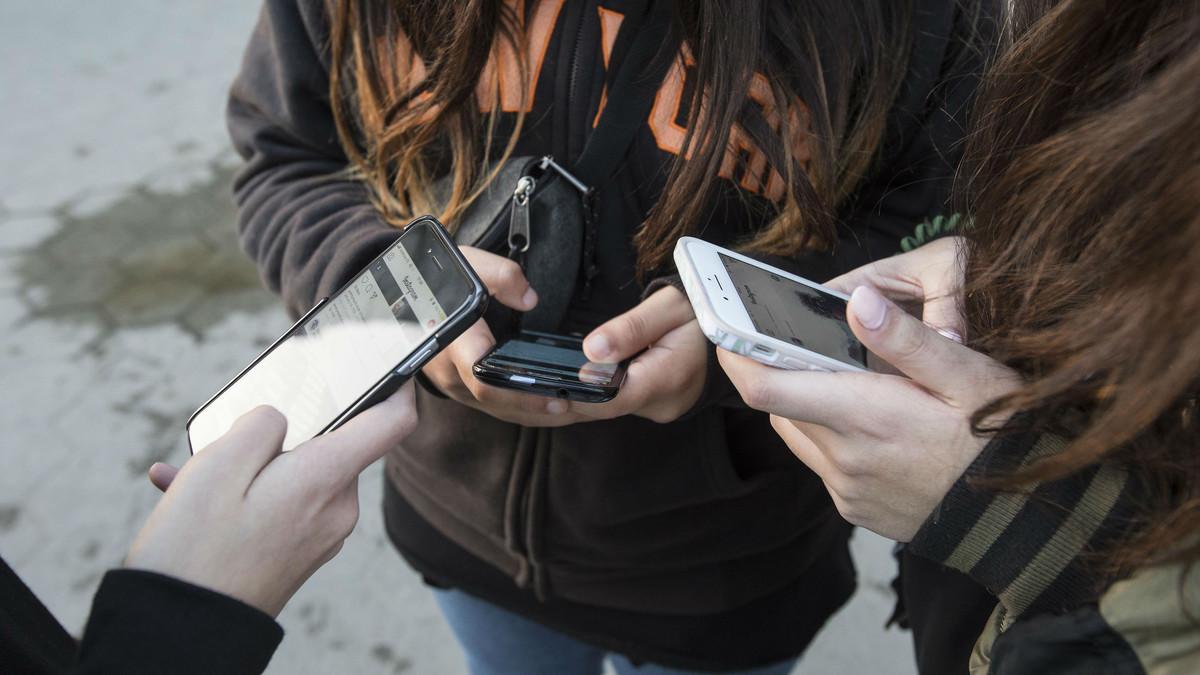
[[349, 345], [794, 312], [551, 356]]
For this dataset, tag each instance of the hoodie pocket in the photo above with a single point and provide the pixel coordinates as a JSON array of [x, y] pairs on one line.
[[461, 462], [744, 453], [727, 480]]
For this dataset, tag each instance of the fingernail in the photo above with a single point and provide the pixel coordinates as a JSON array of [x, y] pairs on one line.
[[950, 334], [869, 307], [556, 407], [597, 346], [529, 299]]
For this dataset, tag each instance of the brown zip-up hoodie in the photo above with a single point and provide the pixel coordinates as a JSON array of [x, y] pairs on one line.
[[693, 517]]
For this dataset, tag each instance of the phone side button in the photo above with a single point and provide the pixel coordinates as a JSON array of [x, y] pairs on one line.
[[795, 364], [521, 379], [416, 360]]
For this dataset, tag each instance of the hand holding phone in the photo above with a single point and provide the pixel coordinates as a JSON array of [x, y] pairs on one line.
[[358, 346], [928, 279], [550, 365], [664, 379], [451, 370], [648, 362], [242, 520], [887, 447]]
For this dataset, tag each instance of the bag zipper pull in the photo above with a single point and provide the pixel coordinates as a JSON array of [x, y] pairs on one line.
[[518, 221]]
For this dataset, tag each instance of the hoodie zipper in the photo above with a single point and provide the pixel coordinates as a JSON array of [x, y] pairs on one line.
[[522, 536], [573, 82]]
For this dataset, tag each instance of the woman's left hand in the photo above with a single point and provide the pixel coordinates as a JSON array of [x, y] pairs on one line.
[[887, 447]]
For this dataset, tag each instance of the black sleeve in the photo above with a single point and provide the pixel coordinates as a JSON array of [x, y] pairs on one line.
[[142, 622], [307, 227], [913, 178], [1075, 643]]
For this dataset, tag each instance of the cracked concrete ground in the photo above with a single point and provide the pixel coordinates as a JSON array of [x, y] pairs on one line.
[[124, 302]]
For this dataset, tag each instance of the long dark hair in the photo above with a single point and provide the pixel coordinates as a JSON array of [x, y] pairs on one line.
[[843, 59], [1083, 176]]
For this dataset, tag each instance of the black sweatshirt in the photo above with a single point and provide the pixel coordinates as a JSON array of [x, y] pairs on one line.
[[141, 623], [674, 532]]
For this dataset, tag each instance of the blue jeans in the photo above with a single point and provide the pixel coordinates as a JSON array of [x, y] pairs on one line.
[[498, 642]]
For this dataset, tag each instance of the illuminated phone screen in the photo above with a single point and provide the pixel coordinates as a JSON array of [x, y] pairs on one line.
[[794, 312], [345, 348]]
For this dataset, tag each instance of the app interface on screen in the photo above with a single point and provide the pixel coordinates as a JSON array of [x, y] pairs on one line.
[[336, 356], [793, 312], [555, 357]]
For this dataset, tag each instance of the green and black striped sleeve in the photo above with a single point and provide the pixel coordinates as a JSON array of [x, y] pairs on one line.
[[1030, 548]]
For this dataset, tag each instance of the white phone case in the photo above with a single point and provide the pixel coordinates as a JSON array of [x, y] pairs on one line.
[[762, 348]]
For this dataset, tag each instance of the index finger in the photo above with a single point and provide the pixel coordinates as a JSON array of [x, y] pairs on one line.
[[884, 275], [928, 279], [348, 450]]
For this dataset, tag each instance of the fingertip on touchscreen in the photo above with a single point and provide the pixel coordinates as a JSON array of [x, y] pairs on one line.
[[597, 347]]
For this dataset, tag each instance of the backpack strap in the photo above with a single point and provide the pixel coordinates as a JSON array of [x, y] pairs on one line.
[[630, 96], [629, 102]]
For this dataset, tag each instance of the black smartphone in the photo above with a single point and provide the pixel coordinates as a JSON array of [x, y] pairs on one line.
[[356, 347], [550, 365]]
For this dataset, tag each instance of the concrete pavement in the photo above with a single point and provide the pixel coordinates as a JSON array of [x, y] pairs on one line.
[[124, 303]]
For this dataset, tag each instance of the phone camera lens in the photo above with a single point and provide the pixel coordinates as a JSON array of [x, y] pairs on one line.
[[563, 393]]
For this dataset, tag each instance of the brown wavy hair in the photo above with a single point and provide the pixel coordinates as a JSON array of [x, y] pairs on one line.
[[1083, 175], [844, 59]]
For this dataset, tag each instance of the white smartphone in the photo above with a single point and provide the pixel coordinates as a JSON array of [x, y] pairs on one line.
[[772, 316]]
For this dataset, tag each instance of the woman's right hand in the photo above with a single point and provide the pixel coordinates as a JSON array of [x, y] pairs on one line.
[[929, 278], [451, 371], [888, 448], [244, 519]]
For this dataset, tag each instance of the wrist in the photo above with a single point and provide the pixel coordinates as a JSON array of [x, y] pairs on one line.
[[263, 595]]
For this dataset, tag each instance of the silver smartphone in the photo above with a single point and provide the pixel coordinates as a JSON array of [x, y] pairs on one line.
[[356, 347]]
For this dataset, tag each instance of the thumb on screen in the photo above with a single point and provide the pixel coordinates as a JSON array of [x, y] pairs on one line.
[[937, 363]]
